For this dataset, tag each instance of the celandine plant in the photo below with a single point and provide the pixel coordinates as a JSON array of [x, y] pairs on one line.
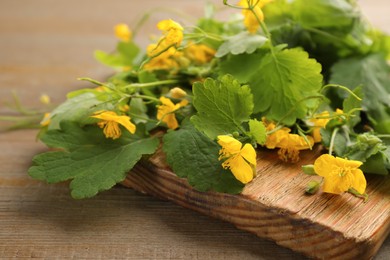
[[282, 75]]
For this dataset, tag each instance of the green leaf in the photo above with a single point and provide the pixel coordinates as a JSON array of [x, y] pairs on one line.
[[243, 42], [258, 131], [128, 50], [194, 156], [80, 108], [373, 74], [95, 164], [325, 13], [111, 60], [241, 67], [222, 106], [138, 111], [125, 55], [283, 84], [377, 164]]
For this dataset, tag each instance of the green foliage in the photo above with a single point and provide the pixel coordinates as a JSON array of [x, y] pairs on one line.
[[373, 74], [325, 13], [258, 131], [243, 42], [284, 85], [242, 67], [80, 107], [125, 54], [91, 161], [222, 106], [194, 156]]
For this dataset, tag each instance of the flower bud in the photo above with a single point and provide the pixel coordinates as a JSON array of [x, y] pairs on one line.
[[309, 169], [312, 187]]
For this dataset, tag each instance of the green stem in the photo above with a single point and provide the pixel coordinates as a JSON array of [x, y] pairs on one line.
[[143, 118], [334, 133], [156, 55], [145, 98], [17, 118], [341, 87], [383, 136], [204, 34], [153, 84]]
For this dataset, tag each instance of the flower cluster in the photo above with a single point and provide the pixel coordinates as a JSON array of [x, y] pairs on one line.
[[214, 95]]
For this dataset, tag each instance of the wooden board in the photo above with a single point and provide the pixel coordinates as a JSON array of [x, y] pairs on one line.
[[274, 206]]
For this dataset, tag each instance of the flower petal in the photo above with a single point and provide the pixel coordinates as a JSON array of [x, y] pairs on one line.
[[249, 154], [229, 144], [323, 165], [336, 184], [241, 169], [359, 182]]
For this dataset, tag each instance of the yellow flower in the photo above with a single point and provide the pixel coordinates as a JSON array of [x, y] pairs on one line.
[[45, 99], [46, 120], [340, 174], [177, 93], [319, 121], [199, 53], [166, 111], [164, 61], [289, 144], [250, 20], [123, 32], [276, 137], [241, 160], [173, 32], [110, 122]]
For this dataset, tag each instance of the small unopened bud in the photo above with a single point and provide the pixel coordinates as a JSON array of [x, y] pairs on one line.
[[312, 187], [236, 134], [308, 169], [45, 99], [122, 32], [177, 93]]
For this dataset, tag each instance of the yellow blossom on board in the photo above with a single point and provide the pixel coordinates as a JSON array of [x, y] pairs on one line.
[[200, 53], [173, 32], [289, 144], [45, 99], [340, 174], [46, 120], [250, 20], [241, 160], [177, 93], [166, 111], [276, 137], [122, 32], [110, 122]]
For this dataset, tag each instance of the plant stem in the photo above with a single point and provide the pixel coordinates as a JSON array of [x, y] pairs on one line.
[[334, 133], [153, 84]]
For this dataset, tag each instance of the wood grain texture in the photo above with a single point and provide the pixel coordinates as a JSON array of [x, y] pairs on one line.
[[274, 206], [44, 47]]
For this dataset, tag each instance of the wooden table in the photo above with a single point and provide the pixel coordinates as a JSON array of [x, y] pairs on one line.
[[44, 46]]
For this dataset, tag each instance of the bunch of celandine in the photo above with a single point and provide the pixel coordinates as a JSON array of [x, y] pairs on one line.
[[214, 124]]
